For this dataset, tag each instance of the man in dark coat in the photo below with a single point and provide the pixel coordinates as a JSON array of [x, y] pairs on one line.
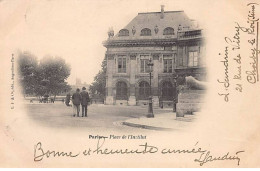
[[76, 100], [84, 101]]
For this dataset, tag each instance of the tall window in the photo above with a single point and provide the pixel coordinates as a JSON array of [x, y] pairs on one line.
[[144, 90], [193, 59], [121, 91], [146, 32], [167, 63], [181, 61], [168, 31], [121, 64], [144, 68], [167, 91], [123, 32]]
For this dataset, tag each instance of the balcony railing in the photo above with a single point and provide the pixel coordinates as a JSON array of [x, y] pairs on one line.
[[190, 34]]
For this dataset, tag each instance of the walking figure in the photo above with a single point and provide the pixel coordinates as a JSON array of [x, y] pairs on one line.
[[67, 101], [76, 100], [84, 101]]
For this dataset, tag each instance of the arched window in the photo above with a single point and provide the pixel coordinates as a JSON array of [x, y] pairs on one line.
[[167, 91], [146, 32], [121, 91], [123, 32], [168, 31], [144, 90]]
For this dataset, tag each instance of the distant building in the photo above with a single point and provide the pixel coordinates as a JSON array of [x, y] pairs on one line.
[[79, 85], [78, 82], [170, 39]]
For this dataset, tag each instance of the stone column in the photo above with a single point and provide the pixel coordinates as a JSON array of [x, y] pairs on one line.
[[109, 84], [132, 98], [155, 81]]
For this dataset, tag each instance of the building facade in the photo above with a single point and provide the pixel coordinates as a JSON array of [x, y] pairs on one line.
[[172, 42]]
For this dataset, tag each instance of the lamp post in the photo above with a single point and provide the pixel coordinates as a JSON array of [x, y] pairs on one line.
[[150, 106], [175, 77]]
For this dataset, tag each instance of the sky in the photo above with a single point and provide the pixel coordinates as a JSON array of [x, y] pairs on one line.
[[75, 29]]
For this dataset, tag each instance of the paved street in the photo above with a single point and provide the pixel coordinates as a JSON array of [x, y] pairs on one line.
[[99, 116]]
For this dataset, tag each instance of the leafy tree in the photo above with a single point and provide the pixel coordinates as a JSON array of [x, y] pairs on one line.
[[45, 77], [27, 66], [99, 84], [52, 75]]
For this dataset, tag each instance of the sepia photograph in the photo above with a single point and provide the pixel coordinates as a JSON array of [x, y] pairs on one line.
[[155, 65]]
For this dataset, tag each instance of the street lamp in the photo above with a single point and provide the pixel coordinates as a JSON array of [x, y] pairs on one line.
[[150, 107], [175, 77]]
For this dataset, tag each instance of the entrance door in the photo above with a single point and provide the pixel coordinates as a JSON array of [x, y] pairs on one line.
[[121, 91], [144, 90]]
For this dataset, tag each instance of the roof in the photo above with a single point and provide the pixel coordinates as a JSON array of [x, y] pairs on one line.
[[152, 19]]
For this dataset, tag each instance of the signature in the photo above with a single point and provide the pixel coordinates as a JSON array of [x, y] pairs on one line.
[[207, 157]]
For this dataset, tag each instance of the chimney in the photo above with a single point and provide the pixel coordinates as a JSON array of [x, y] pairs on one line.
[[162, 11]]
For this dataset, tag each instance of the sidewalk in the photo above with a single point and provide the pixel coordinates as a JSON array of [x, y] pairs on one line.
[[165, 121]]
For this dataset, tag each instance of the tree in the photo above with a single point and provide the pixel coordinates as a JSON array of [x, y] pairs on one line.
[[45, 77], [52, 75], [27, 66], [99, 84]]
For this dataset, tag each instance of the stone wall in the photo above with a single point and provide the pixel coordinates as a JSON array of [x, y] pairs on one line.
[[189, 101]]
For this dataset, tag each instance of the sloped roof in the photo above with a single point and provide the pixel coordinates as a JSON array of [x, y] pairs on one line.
[[151, 20]]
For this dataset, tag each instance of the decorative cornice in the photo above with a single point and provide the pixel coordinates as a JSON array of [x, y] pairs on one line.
[[150, 42], [143, 76], [120, 76], [190, 42], [142, 42]]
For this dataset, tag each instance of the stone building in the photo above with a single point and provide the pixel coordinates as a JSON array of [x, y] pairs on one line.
[[170, 40]]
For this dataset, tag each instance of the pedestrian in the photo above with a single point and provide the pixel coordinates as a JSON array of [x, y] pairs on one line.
[[67, 101], [84, 101], [76, 100]]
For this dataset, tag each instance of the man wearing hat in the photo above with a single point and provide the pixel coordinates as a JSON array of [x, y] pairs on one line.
[[76, 100], [84, 101]]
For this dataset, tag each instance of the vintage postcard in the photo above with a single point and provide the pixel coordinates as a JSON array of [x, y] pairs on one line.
[[118, 83]]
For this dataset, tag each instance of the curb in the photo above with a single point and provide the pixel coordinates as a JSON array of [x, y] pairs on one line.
[[146, 126]]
